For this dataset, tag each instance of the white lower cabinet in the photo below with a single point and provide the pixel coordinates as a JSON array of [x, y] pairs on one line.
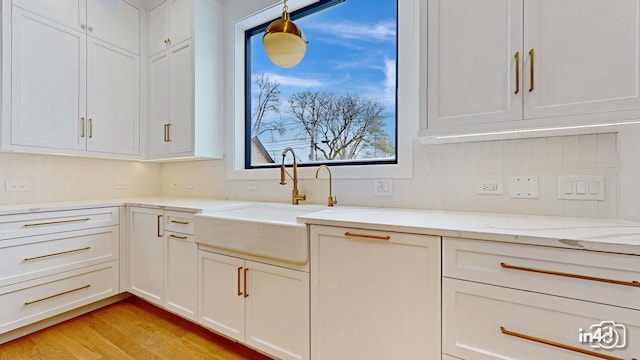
[[374, 295], [517, 301], [490, 322], [263, 306], [163, 253]]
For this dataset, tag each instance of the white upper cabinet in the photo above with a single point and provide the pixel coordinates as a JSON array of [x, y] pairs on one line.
[[496, 62], [185, 65], [112, 99], [47, 97], [116, 22], [170, 23], [586, 56], [472, 61], [72, 77], [71, 13]]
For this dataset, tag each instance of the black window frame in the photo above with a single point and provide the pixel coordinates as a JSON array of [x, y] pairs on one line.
[[307, 10]]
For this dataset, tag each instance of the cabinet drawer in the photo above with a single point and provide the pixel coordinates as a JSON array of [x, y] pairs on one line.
[[37, 256], [580, 274], [488, 322], [178, 221], [34, 300], [20, 225]]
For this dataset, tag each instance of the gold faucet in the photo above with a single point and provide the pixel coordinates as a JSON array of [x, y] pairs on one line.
[[332, 199], [295, 195]]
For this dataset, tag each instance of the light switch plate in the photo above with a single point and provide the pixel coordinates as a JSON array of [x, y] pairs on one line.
[[581, 187], [523, 187], [382, 187]]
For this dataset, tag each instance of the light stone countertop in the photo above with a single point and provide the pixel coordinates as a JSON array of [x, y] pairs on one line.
[[610, 235]]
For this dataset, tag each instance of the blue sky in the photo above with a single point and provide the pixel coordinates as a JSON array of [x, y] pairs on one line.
[[351, 50]]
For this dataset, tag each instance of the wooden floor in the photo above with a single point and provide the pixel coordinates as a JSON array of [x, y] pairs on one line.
[[130, 329]]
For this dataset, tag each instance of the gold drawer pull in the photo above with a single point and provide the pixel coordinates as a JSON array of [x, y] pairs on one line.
[[575, 276], [239, 290], [57, 222], [180, 222], [376, 237], [246, 293], [517, 72], [56, 295], [559, 345], [56, 254], [178, 237], [531, 70]]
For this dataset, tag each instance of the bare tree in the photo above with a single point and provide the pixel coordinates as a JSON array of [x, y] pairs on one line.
[[268, 100], [341, 127]]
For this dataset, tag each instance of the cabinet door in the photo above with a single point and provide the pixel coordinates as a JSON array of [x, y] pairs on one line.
[[112, 99], [159, 104], [47, 97], [586, 56], [277, 311], [181, 271], [374, 295], [180, 20], [116, 22], [71, 13], [221, 294], [181, 98], [158, 28], [472, 62], [146, 251]]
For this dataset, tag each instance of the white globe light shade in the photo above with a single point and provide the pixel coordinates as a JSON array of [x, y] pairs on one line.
[[284, 43]]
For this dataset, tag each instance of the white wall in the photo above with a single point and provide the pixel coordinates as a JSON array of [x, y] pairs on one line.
[[65, 178]]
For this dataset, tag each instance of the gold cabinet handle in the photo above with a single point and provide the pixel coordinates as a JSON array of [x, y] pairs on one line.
[[168, 132], [559, 345], [168, 41], [83, 26], [90, 128], [159, 219], [56, 295], [575, 276], [239, 290], [180, 222], [178, 237], [517, 72], [531, 67], [57, 254], [246, 294], [376, 237], [82, 125], [57, 222], [90, 28]]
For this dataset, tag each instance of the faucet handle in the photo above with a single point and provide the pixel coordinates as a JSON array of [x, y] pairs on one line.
[[332, 201]]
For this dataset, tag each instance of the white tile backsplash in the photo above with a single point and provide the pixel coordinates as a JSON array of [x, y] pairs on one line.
[[65, 178], [445, 178]]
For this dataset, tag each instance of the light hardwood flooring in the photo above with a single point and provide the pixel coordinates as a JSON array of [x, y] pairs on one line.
[[129, 329]]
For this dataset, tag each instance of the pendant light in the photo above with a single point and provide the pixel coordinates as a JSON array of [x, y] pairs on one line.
[[283, 41]]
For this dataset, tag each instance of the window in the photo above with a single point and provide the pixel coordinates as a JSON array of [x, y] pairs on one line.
[[338, 106]]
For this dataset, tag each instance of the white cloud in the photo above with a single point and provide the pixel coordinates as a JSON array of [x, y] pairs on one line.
[[385, 31], [390, 80]]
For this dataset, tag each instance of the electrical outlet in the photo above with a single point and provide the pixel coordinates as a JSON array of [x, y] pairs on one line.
[[188, 184], [252, 186], [490, 187], [122, 185], [16, 186]]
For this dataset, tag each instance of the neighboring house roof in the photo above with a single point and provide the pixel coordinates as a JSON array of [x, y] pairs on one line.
[[259, 153]]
